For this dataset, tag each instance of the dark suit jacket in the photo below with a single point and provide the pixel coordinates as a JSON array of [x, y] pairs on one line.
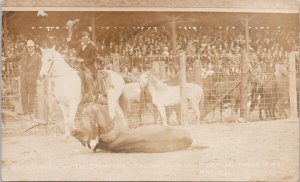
[[30, 67], [89, 54]]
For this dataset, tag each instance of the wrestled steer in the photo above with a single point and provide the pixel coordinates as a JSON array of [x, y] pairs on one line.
[[112, 137]]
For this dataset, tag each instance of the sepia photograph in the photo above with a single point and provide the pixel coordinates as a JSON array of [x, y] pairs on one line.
[[150, 90]]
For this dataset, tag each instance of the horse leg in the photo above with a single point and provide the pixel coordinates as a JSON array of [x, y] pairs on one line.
[[155, 113], [195, 105], [162, 112], [64, 110], [221, 112], [120, 115], [267, 113], [233, 109], [269, 109], [113, 105], [140, 112], [274, 108], [259, 112], [72, 113], [168, 112], [271, 113], [177, 109]]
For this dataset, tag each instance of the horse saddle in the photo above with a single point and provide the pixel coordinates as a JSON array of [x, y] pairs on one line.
[[92, 87]]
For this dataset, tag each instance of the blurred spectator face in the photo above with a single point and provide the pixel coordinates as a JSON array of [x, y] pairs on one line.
[[85, 40], [30, 49]]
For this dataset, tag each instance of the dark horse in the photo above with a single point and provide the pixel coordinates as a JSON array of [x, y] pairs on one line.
[[216, 86], [273, 94], [113, 137], [266, 91]]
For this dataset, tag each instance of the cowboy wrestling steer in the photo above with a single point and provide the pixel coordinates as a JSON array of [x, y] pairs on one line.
[[112, 137]]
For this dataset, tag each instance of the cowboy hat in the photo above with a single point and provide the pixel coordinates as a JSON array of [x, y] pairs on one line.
[[30, 43], [72, 24]]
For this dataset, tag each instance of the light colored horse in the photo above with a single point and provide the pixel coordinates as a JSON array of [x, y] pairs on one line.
[[67, 88], [164, 95], [132, 94]]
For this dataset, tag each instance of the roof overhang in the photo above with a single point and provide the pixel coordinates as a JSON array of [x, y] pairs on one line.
[[149, 9], [242, 6]]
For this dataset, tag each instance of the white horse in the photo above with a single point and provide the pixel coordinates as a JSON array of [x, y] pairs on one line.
[[164, 95], [67, 88], [133, 94]]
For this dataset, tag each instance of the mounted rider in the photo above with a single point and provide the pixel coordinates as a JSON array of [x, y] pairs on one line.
[[86, 55]]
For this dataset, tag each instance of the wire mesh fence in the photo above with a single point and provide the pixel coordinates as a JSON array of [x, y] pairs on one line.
[[267, 89]]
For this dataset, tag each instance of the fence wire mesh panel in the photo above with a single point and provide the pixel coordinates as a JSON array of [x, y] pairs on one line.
[[215, 66], [11, 91], [267, 88], [10, 87]]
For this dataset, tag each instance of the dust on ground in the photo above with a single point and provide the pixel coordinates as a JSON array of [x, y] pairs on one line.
[[264, 151]]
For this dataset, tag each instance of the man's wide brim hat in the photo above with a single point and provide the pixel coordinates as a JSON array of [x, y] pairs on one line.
[[72, 24], [30, 43]]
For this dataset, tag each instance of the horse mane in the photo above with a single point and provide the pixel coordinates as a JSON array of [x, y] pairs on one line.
[[58, 55], [60, 58], [158, 84]]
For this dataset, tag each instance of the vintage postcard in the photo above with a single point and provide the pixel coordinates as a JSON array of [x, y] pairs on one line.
[[160, 90]]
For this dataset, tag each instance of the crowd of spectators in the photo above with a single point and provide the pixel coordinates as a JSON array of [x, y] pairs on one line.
[[219, 49]]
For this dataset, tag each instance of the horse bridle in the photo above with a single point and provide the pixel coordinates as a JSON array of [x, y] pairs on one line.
[[52, 66]]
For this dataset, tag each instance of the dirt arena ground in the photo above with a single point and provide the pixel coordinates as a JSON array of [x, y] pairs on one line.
[[255, 151]]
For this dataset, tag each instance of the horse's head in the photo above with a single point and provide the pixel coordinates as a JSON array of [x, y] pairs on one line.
[[82, 136], [144, 80], [47, 61]]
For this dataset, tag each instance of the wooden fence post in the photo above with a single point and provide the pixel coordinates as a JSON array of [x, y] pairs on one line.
[[198, 67], [292, 86], [243, 86], [18, 104], [93, 25], [182, 78], [244, 72]]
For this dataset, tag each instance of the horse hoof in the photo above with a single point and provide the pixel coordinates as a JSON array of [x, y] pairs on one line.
[[66, 137], [95, 149], [164, 124]]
